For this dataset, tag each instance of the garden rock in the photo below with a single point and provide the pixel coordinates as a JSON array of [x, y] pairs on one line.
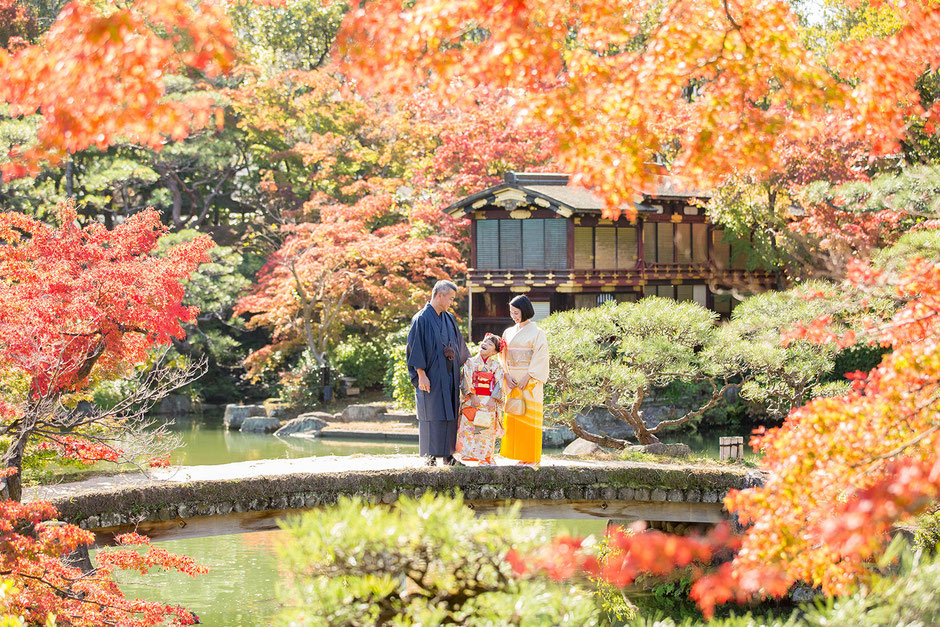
[[557, 437], [306, 424], [174, 405], [236, 414], [582, 448], [281, 412], [364, 413], [260, 424]]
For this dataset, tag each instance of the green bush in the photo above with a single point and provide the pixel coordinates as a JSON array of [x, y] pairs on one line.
[[927, 532], [617, 354], [427, 561], [302, 385], [397, 382], [364, 359], [779, 376], [859, 357]]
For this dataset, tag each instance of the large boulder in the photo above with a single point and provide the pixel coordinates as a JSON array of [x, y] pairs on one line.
[[557, 437], [260, 424], [309, 423], [364, 413], [174, 405], [235, 414], [583, 448]]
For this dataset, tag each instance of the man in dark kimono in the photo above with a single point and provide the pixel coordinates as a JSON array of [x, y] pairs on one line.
[[436, 351]]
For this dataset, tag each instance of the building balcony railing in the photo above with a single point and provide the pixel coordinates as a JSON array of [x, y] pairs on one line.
[[579, 279]]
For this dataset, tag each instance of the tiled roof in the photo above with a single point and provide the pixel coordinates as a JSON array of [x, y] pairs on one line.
[[548, 189]]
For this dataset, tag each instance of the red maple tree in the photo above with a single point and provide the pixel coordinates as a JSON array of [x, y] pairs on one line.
[[97, 76], [33, 552], [77, 305], [724, 83], [346, 268]]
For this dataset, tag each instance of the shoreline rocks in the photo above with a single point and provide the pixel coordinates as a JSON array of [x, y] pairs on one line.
[[260, 424], [305, 424], [235, 415], [584, 448], [364, 413]]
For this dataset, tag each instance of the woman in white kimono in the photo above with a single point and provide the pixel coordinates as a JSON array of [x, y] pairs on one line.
[[525, 365]]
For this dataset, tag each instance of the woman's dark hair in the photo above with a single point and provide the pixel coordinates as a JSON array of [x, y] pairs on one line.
[[523, 304]]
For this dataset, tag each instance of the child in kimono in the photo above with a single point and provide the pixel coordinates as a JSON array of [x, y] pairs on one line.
[[481, 403]]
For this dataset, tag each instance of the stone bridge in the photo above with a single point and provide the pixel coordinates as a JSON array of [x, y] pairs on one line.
[[235, 498]]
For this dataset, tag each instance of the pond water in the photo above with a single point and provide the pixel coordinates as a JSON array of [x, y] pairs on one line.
[[241, 588], [206, 441]]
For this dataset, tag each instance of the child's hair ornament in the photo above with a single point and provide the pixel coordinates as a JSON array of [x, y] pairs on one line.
[[498, 341]]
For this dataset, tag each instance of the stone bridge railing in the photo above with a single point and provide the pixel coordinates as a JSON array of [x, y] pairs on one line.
[[620, 490]]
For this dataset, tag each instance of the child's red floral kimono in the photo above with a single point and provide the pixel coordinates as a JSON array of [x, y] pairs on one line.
[[481, 379]]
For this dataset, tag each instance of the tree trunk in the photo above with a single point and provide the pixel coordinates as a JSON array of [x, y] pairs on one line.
[[69, 178], [600, 440], [643, 435], [14, 459], [631, 416]]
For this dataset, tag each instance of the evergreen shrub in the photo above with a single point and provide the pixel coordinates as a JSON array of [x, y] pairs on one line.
[[424, 561], [362, 358]]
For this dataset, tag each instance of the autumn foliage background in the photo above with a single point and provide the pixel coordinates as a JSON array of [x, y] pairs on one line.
[[315, 144]]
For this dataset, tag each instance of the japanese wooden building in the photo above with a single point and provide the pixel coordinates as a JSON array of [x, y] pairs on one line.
[[536, 235]]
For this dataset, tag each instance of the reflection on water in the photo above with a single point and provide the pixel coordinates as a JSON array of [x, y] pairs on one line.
[[240, 590], [206, 441]]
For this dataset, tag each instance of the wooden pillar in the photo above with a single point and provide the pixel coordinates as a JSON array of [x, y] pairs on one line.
[[640, 253], [470, 310], [731, 448]]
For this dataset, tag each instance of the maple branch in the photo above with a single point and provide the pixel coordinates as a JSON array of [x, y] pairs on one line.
[[906, 445], [306, 305], [69, 594]]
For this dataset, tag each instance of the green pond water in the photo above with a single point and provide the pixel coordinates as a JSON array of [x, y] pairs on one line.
[[206, 441], [241, 588]]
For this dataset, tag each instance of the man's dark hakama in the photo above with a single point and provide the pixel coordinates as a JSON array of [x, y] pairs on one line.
[[428, 337]]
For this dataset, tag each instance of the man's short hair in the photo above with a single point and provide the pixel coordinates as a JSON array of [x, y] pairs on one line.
[[443, 286]]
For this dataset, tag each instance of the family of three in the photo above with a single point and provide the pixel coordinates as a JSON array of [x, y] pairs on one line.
[[466, 403]]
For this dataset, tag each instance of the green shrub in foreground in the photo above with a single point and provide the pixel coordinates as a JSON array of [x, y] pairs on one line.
[[426, 561]]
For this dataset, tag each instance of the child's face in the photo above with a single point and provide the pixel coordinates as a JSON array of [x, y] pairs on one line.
[[487, 349]]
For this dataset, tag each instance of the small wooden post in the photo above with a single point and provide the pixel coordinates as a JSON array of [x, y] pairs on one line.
[[731, 447]]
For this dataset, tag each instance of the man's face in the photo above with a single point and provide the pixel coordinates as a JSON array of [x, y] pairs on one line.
[[444, 299]]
